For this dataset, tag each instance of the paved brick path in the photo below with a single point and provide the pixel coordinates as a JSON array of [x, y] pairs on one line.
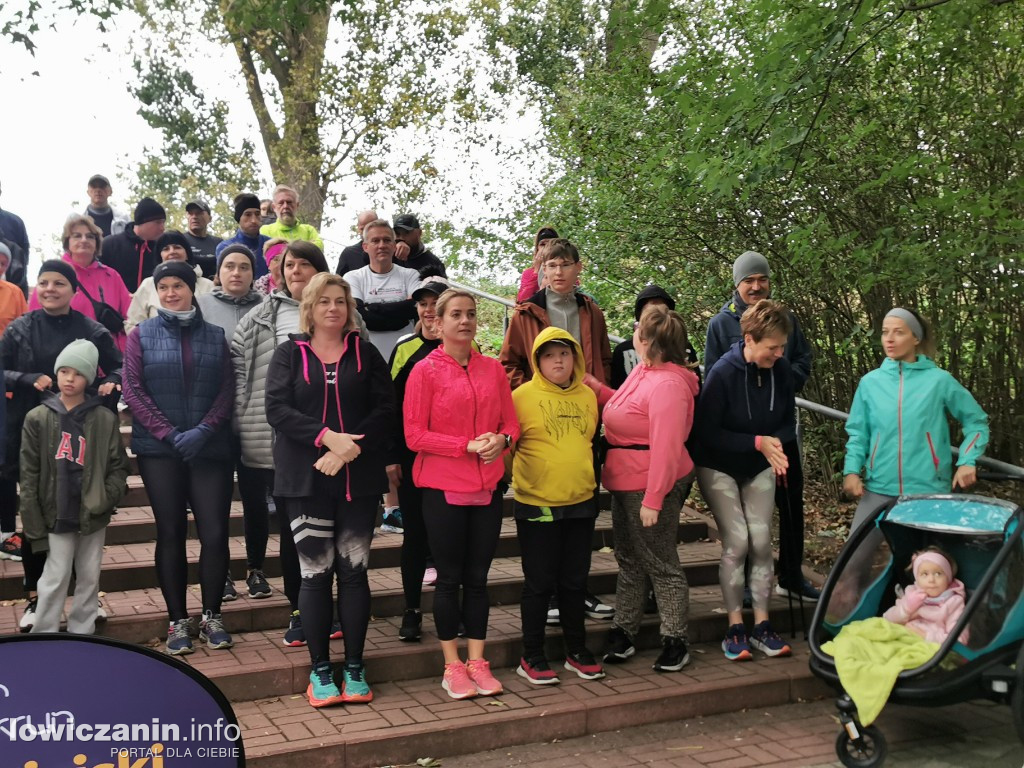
[[972, 735]]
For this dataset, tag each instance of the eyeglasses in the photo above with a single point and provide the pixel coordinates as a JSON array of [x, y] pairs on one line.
[[558, 266]]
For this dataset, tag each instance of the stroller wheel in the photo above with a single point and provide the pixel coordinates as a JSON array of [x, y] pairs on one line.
[[866, 752]]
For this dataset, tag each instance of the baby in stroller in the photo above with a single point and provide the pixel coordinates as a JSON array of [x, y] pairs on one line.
[[932, 605]]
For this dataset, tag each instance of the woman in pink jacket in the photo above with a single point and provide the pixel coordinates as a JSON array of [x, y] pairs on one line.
[[647, 469], [82, 245], [459, 419]]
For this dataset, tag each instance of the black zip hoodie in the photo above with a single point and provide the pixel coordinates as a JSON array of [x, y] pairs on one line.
[[738, 402], [70, 454]]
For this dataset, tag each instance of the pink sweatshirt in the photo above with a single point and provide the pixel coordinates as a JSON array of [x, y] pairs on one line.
[[936, 617], [103, 284], [653, 407], [445, 407], [528, 284]]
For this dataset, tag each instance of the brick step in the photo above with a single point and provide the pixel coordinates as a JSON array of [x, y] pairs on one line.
[[134, 523], [413, 719], [285, 671], [138, 614], [131, 566]]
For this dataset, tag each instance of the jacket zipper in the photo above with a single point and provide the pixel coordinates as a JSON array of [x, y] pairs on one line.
[[899, 431], [935, 456], [479, 468], [874, 451]]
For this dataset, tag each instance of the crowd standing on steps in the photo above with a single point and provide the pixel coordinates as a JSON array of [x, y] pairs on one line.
[[322, 393]]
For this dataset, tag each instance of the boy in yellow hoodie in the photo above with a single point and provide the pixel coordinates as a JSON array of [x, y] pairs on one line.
[[554, 482]]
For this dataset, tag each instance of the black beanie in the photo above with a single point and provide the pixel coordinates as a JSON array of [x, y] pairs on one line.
[[236, 248], [172, 237], [652, 292], [243, 203], [175, 269], [57, 265], [148, 209]]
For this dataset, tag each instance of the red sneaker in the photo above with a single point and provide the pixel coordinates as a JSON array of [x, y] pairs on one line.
[[480, 673]]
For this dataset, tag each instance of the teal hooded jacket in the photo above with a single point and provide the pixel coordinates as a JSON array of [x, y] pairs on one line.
[[899, 430]]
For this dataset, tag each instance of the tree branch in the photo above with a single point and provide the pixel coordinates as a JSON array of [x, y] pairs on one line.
[[268, 129]]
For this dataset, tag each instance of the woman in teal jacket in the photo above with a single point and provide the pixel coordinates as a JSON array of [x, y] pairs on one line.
[[898, 425]]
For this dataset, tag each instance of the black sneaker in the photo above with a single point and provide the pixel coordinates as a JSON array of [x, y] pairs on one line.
[[584, 664], [805, 590], [595, 609], [620, 647], [229, 591], [674, 655], [412, 626], [257, 584], [294, 636]]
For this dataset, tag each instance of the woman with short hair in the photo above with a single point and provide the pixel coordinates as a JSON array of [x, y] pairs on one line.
[[170, 246], [746, 413], [331, 404]]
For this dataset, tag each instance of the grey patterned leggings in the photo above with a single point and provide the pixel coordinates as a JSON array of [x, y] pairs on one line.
[[743, 513]]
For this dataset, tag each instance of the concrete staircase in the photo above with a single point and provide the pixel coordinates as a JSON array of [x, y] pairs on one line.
[[411, 717]]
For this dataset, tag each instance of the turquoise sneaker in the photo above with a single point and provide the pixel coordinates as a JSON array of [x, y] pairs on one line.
[[322, 692], [356, 691]]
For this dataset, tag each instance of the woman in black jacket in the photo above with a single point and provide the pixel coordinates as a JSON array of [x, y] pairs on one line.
[[331, 403]]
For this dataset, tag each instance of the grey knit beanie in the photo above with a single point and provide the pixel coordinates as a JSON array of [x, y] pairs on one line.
[[82, 355], [749, 263]]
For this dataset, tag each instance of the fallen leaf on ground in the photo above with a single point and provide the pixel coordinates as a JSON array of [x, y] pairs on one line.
[[496, 703], [606, 550], [428, 762]]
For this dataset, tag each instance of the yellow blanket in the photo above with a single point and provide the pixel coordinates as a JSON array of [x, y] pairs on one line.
[[869, 656]]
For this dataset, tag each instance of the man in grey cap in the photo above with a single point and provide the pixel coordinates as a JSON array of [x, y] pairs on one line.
[[110, 220], [203, 244], [409, 249], [751, 277]]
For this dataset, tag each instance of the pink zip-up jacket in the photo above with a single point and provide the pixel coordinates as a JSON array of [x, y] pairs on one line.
[[936, 617], [103, 284], [653, 407], [445, 407]]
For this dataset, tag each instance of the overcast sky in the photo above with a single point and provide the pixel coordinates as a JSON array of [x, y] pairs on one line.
[[76, 118]]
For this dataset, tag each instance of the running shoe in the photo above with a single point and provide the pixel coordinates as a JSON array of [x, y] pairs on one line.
[[456, 681], [336, 633], [392, 521], [673, 656], [735, 646], [257, 584], [28, 618], [355, 690], [101, 613], [10, 548], [321, 691], [768, 641], [584, 664], [230, 593], [479, 671], [178, 640], [806, 591], [620, 646], [595, 609], [412, 626], [537, 671], [294, 636], [212, 632]]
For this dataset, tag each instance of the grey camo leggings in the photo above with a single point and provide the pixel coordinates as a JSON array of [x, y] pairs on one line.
[[743, 513]]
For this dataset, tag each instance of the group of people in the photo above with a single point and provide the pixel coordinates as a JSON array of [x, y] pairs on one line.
[[328, 391]]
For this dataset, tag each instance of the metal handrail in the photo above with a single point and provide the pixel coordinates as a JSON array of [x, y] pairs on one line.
[[807, 405]]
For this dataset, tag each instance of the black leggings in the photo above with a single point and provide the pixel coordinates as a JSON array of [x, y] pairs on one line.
[[32, 563], [252, 487], [332, 536], [556, 561], [463, 540], [289, 557], [415, 549], [8, 503], [205, 485]]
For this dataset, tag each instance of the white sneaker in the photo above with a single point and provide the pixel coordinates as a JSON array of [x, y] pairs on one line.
[[101, 613], [28, 618]]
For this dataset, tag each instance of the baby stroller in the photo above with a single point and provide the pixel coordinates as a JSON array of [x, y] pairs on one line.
[[984, 536]]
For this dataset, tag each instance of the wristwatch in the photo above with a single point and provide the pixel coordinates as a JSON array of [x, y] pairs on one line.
[[508, 440]]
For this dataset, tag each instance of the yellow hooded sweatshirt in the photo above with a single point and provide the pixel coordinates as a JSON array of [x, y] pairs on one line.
[[553, 465]]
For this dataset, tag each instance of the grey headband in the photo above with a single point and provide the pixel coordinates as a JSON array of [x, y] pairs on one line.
[[908, 317]]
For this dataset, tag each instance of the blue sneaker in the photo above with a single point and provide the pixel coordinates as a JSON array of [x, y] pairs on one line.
[[392, 521], [356, 690], [178, 641], [321, 691], [768, 641], [212, 632], [735, 645]]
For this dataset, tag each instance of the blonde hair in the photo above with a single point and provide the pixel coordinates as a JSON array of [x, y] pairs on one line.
[[766, 318], [665, 333], [74, 221], [448, 295], [316, 287]]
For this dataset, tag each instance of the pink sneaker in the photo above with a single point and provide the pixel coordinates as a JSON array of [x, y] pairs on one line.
[[430, 577], [456, 681], [480, 673]]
